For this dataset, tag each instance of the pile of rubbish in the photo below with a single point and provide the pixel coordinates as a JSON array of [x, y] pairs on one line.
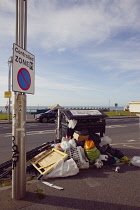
[[83, 151], [67, 156]]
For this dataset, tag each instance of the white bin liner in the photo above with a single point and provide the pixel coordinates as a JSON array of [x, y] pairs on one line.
[[135, 161], [63, 169]]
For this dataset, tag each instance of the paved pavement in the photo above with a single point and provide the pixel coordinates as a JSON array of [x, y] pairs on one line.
[[89, 189]]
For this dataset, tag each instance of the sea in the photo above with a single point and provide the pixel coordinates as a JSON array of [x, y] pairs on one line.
[[34, 108]]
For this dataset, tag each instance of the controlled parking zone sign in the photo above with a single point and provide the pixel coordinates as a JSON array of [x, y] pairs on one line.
[[23, 71]]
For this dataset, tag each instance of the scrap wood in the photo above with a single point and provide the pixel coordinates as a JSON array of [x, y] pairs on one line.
[[45, 162], [52, 185], [29, 155]]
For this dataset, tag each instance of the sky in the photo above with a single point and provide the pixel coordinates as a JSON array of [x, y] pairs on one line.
[[87, 52]]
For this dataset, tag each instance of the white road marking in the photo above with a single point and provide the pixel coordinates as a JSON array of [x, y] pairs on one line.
[[124, 145], [29, 133], [40, 132], [121, 126], [116, 126], [134, 145], [131, 140]]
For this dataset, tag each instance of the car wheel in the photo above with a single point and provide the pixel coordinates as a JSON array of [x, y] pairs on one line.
[[44, 120], [40, 120]]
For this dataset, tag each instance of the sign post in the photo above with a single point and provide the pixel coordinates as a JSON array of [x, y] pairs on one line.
[[23, 70], [116, 105], [8, 95], [9, 85], [22, 83]]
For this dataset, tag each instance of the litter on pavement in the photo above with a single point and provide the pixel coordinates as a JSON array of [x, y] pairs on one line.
[[80, 144], [70, 155]]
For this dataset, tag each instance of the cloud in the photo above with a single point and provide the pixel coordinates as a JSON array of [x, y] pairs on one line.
[[7, 18], [61, 26], [3, 81], [60, 50], [78, 24], [81, 47], [64, 85]]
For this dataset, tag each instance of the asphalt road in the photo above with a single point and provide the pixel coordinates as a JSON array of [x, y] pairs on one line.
[[90, 189], [124, 132]]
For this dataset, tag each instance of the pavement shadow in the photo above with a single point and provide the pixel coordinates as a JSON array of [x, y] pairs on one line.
[[74, 203]]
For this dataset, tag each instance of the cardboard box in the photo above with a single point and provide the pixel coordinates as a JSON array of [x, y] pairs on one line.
[[79, 137]]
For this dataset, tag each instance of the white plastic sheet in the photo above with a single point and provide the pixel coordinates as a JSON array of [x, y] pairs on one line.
[[65, 145], [63, 169], [105, 140], [136, 161], [72, 123]]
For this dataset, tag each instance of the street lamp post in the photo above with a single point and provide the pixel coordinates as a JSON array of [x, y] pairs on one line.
[[19, 112], [9, 84]]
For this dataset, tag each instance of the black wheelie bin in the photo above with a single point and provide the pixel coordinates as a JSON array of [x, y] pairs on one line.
[[69, 121]]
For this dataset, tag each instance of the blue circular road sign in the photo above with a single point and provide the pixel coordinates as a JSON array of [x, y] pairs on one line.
[[24, 79]]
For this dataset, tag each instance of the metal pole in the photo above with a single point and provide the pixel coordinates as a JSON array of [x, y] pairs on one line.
[[9, 90], [9, 86], [19, 115], [17, 21], [21, 21], [25, 25], [58, 124]]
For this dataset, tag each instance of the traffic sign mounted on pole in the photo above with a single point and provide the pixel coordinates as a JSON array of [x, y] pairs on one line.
[[24, 79], [7, 94], [23, 70]]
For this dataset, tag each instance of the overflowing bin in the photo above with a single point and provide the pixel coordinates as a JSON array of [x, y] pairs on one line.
[[69, 121]]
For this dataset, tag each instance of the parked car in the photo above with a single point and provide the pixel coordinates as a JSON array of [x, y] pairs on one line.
[[45, 117]]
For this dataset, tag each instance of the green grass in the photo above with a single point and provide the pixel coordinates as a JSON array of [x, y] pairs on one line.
[[4, 116], [9, 182], [119, 113], [40, 193], [5, 183]]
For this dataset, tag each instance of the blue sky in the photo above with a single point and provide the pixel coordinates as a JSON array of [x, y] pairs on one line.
[[87, 52]]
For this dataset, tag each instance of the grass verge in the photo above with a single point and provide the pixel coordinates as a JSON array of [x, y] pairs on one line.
[[4, 116], [119, 113]]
